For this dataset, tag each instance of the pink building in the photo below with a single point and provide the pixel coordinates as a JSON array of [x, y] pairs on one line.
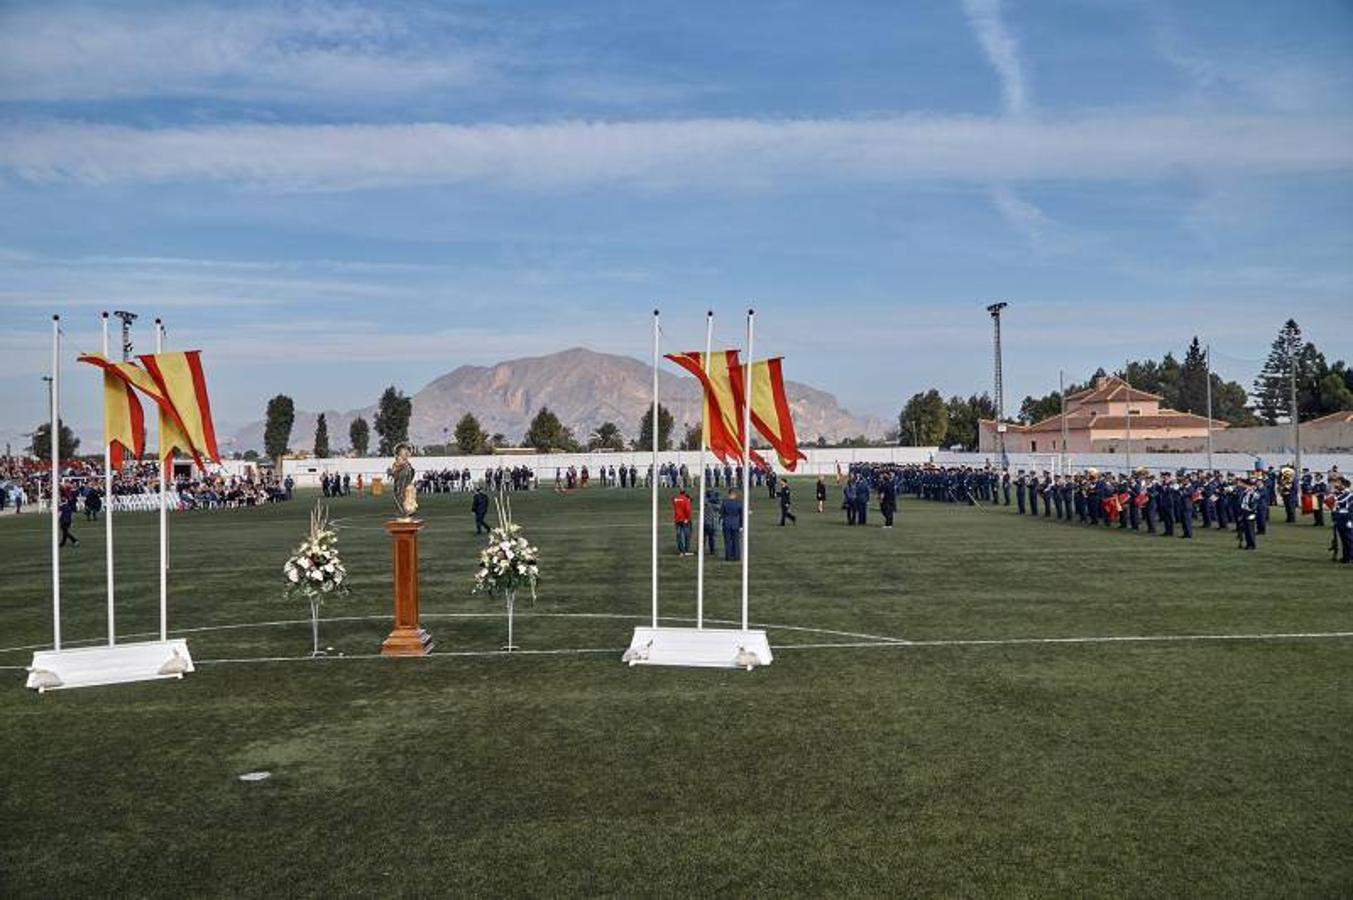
[[1097, 421]]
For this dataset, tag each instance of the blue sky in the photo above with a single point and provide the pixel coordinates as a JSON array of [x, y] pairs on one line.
[[328, 198]]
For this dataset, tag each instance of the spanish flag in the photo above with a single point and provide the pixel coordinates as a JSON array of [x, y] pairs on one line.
[[723, 401], [179, 378], [770, 411], [172, 434], [124, 422]]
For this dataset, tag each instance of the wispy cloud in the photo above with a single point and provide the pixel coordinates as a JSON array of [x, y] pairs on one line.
[[1002, 51], [297, 50], [670, 154]]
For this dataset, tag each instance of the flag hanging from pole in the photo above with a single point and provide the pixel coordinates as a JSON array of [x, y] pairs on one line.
[[124, 422], [179, 377], [770, 411], [722, 420], [173, 434]]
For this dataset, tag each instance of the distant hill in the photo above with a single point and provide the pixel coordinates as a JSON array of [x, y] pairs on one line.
[[584, 388]]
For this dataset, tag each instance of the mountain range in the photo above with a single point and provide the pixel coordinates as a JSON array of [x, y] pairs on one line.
[[582, 387]]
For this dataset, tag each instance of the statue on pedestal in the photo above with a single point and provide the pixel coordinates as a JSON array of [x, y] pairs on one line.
[[401, 479]]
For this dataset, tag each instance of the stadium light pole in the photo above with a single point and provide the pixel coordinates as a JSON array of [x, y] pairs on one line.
[[995, 310], [127, 319]]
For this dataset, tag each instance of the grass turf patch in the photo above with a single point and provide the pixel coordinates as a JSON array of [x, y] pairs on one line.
[[1162, 768]]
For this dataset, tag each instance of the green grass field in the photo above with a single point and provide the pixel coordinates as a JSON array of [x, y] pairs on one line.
[[947, 766]]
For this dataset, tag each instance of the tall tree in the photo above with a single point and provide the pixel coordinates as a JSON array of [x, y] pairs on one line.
[[359, 435], [470, 437], [692, 438], [41, 443], [1273, 386], [963, 417], [606, 437], [1191, 388], [281, 415], [924, 420], [645, 439], [1230, 403], [547, 433], [392, 420], [321, 437], [1036, 409]]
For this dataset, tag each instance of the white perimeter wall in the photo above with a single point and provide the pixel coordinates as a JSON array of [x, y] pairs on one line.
[[307, 472]]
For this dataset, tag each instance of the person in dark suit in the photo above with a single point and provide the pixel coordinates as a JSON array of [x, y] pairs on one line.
[[862, 502], [67, 515], [479, 505], [821, 493], [783, 495], [888, 501], [731, 515]]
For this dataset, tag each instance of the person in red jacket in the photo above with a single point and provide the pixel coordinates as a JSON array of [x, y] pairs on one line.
[[681, 514]]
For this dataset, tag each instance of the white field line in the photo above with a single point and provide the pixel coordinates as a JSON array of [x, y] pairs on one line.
[[458, 615]]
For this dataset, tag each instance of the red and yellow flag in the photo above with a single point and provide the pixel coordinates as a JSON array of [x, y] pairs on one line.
[[179, 378], [770, 411], [124, 422], [723, 402]]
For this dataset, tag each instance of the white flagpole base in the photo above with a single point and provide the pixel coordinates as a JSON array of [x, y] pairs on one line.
[[88, 666], [713, 648]]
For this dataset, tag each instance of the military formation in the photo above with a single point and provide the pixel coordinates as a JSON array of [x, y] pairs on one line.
[[1167, 503]]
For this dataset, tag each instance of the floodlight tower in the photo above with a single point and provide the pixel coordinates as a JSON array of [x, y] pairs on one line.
[[127, 319], [995, 310]]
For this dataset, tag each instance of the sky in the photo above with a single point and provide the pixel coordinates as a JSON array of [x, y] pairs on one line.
[[328, 198]]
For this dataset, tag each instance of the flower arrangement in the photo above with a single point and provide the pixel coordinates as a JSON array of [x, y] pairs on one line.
[[508, 562], [315, 570]]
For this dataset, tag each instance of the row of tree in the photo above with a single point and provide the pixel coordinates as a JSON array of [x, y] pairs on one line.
[[1321, 388]]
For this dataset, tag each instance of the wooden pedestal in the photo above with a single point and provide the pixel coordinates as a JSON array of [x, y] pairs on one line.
[[408, 637]]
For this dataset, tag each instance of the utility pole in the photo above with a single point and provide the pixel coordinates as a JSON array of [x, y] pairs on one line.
[[1061, 391], [1296, 413], [1128, 417], [995, 310], [127, 319], [1208, 359]]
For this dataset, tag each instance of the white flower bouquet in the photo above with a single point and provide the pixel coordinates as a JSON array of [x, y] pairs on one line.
[[315, 570], [508, 563]]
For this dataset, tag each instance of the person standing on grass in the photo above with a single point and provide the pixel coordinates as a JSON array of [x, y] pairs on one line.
[[783, 494], [712, 517], [681, 515], [821, 493], [1343, 518], [862, 502], [1249, 512], [67, 514], [479, 505], [888, 501], [730, 513], [848, 499]]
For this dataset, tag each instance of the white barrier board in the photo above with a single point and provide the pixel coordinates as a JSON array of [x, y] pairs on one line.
[[722, 648], [53, 670]]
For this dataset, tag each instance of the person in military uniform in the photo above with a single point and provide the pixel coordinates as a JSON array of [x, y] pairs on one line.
[[1188, 496], [1343, 518], [1249, 512], [479, 505], [887, 501], [783, 496], [1019, 490], [730, 514]]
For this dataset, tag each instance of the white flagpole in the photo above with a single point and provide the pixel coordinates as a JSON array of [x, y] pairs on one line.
[[166, 468], [55, 492], [654, 478], [704, 488], [108, 502], [746, 461]]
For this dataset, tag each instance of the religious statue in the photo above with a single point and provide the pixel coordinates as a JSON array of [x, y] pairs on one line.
[[401, 480]]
